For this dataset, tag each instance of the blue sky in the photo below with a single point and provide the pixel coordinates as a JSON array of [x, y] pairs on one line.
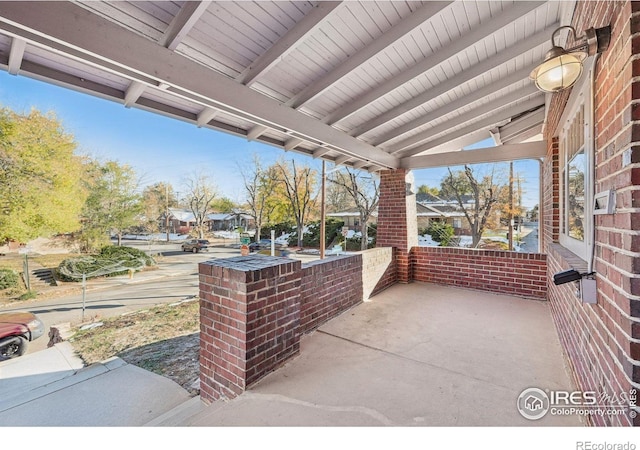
[[168, 150]]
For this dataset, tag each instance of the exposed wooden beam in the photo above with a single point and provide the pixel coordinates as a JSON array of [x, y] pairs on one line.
[[72, 30], [522, 124], [255, 132], [528, 134], [470, 115], [459, 143], [292, 143], [16, 54], [396, 32], [486, 29], [205, 116], [288, 42], [134, 91], [448, 107], [320, 152], [530, 150], [463, 77], [486, 123], [182, 23], [495, 135], [341, 160], [360, 164]]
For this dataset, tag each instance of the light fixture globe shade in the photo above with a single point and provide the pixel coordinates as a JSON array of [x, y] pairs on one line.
[[558, 72]]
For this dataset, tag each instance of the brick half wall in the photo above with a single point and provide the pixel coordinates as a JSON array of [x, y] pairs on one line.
[[513, 273], [329, 287], [379, 270]]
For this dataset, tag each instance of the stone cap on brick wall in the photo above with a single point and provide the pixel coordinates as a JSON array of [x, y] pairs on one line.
[[250, 262]]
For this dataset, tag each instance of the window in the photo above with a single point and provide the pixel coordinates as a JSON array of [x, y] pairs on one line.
[[576, 160], [457, 223]]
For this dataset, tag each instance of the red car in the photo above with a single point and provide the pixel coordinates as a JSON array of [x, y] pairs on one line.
[[16, 330]]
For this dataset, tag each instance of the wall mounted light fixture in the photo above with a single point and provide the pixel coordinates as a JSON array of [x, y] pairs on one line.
[[562, 67]]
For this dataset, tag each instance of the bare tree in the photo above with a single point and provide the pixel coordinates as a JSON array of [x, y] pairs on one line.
[[484, 194], [337, 198], [299, 184], [365, 192], [200, 193], [259, 184]]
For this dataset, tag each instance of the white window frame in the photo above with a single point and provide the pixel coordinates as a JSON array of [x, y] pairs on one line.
[[581, 97]]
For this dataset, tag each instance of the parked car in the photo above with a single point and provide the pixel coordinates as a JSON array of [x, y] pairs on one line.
[[17, 329], [195, 245]]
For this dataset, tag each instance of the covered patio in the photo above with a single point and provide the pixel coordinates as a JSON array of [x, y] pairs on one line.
[[389, 87], [414, 355]]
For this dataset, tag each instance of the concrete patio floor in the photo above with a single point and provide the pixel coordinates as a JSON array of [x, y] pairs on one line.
[[414, 355]]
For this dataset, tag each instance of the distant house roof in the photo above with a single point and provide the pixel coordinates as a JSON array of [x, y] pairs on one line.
[[427, 198], [434, 199], [350, 213], [438, 211], [183, 215], [220, 216], [421, 210], [229, 216]]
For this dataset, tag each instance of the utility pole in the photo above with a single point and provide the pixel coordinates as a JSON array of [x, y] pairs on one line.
[[322, 211], [166, 213], [511, 206]]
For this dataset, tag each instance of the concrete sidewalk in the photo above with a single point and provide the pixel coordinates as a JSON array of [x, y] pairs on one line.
[[52, 388]]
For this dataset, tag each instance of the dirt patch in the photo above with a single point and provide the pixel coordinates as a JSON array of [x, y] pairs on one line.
[[163, 340]]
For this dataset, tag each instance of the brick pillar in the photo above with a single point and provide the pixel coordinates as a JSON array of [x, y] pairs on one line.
[[397, 219], [249, 318]]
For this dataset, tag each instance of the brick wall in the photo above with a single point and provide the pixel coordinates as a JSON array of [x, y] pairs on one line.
[[550, 196], [254, 308], [378, 270], [249, 319], [397, 222], [602, 340], [329, 287], [520, 274]]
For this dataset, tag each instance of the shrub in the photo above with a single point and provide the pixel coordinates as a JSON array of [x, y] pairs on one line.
[[441, 232], [8, 279], [111, 261], [283, 227], [311, 237], [113, 251]]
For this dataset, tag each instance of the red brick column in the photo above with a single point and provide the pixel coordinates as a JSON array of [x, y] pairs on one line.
[[397, 219], [249, 319]]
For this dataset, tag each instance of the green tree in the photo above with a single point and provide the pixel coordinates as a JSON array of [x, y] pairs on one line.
[[40, 177], [424, 189], [483, 192], [440, 232], [223, 205], [113, 205]]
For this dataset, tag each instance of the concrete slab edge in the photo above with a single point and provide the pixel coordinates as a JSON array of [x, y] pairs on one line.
[[178, 415], [79, 376]]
